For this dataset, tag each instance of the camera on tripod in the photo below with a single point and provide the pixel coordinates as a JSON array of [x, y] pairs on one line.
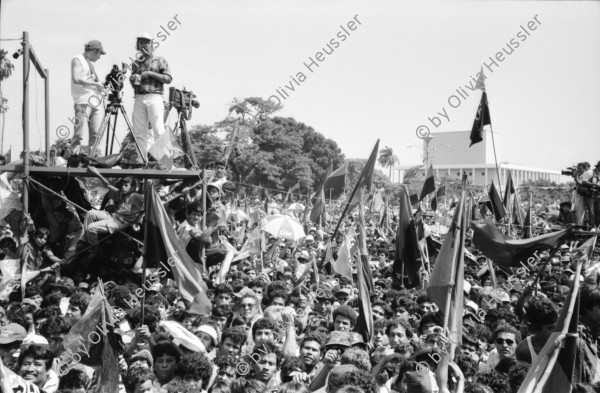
[[114, 82], [572, 171], [183, 101]]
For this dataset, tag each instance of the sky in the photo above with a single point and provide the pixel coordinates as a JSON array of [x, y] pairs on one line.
[[398, 66]]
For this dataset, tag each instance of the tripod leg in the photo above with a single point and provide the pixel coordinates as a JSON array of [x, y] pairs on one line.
[[105, 122], [130, 127], [112, 140]]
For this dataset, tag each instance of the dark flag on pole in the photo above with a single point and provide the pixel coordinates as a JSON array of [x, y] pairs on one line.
[[407, 260], [429, 185], [506, 251], [364, 281], [365, 179], [336, 180], [482, 117], [496, 201]]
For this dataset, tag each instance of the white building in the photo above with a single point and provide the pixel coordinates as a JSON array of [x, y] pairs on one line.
[[450, 154]]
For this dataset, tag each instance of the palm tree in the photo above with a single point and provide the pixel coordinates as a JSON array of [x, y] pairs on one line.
[[387, 159]]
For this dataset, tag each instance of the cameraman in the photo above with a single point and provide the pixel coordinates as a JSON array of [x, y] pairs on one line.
[[588, 189], [85, 90], [148, 76]]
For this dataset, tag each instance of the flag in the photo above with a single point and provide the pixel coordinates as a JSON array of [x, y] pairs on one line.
[[166, 149], [164, 250], [364, 281], [496, 202], [553, 369], [364, 180], [447, 276], [252, 246], [429, 185], [508, 191], [506, 251], [527, 224], [482, 117], [377, 203], [406, 259], [291, 190], [414, 199], [434, 203], [92, 341], [336, 180], [343, 264], [318, 210]]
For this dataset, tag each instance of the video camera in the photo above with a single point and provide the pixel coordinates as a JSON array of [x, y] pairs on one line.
[[114, 83], [572, 171], [183, 101]]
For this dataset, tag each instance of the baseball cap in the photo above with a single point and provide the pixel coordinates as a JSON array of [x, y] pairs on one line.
[[144, 36], [144, 354], [95, 44], [11, 333], [337, 337]]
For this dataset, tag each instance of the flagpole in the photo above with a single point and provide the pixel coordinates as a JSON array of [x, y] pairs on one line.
[[148, 189], [203, 225], [494, 146], [457, 253]]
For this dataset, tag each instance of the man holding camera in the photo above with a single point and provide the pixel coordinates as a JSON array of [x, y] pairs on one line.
[[588, 186], [148, 76], [85, 90]]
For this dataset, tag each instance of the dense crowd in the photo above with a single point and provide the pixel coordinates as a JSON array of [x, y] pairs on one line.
[[281, 319]]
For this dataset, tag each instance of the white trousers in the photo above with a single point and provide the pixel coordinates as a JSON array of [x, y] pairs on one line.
[[148, 121]]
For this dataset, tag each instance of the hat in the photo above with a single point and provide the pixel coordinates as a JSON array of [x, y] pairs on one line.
[[309, 238], [34, 339], [144, 36], [11, 333], [95, 44], [337, 337], [83, 285], [144, 354], [210, 331], [343, 291], [472, 305], [304, 255], [356, 338]]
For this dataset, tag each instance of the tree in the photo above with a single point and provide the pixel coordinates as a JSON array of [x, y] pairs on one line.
[[387, 159], [268, 151]]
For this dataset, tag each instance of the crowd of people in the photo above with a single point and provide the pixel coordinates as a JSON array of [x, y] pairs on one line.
[[281, 319]]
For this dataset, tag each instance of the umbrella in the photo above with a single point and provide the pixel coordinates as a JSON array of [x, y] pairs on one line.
[[237, 216], [284, 226], [296, 206]]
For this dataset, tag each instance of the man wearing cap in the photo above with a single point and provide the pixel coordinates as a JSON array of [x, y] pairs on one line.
[[85, 89], [148, 75], [11, 338]]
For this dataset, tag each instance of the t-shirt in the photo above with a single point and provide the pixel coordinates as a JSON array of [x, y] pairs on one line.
[[129, 207]]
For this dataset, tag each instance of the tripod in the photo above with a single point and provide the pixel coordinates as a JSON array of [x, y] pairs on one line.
[[111, 114]]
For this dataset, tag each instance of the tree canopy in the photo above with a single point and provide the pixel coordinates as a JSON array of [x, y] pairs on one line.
[[268, 151]]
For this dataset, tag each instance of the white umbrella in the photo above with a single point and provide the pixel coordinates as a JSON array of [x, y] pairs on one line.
[[296, 206], [284, 226]]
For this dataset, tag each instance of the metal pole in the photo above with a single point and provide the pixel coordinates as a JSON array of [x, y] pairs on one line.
[[204, 191], [26, 66], [47, 113], [148, 190]]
